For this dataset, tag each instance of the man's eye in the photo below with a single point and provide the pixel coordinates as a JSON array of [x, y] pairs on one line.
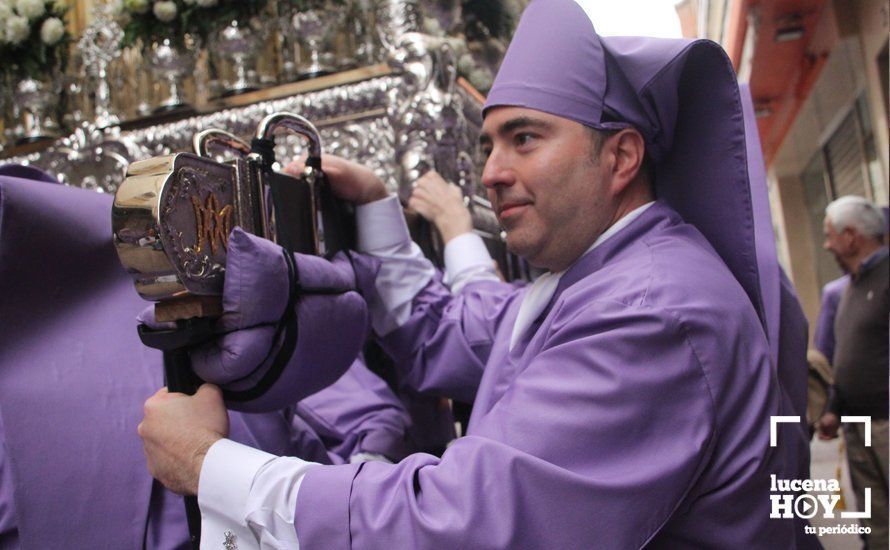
[[523, 139], [485, 152]]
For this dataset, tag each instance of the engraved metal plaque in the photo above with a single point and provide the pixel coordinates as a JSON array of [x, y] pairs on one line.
[[173, 214], [171, 220]]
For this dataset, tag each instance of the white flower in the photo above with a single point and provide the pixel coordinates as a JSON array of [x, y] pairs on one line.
[[32, 9], [481, 79], [120, 12], [432, 26], [136, 6], [52, 31], [165, 11], [466, 64], [17, 29], [5, 11], [5, 14], [206, 3], [458, 45]]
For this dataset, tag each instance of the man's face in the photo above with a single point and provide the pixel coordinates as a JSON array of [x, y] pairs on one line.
[[545, 185], [839, 243]]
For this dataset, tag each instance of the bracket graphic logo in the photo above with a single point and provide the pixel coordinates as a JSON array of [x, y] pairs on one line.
[[791, 497]]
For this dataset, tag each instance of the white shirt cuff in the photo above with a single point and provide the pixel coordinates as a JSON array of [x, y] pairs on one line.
[[249, 497], [381, 224], [223, 490], [465, 252]]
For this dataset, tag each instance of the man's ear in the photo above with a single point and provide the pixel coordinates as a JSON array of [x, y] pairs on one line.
[[628, 148], [852, 238]]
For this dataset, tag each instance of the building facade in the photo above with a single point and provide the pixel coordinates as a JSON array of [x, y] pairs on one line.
[[818, 72]]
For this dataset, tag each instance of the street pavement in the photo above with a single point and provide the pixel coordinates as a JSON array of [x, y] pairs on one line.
[[828, 461]]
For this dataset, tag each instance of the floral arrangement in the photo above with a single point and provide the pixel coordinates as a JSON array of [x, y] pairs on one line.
[[33, 37], [156, 20]]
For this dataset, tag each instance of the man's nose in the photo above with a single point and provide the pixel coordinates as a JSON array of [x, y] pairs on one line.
[[496, 172]]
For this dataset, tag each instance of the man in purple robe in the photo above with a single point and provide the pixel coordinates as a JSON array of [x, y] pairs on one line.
[[626, 397]]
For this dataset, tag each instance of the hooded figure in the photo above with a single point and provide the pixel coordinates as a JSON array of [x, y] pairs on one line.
[[624, 400]]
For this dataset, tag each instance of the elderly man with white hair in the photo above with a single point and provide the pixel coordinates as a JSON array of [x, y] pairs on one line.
[[854, 233]]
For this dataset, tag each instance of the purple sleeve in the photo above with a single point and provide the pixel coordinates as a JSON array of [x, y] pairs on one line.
[[432, 421], [358, 413], [529, 478], [443, 346], [823, 333], [306, 443]]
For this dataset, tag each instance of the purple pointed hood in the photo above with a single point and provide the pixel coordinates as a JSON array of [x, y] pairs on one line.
[[764, 236], [681, 95]]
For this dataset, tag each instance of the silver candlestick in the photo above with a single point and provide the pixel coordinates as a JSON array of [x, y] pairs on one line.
[[37, 99], [169, 63], [238, 43], [99, 46], [363, 25], [311, 26]]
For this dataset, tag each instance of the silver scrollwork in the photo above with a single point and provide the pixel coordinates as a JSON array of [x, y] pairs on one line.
[[399, 124]]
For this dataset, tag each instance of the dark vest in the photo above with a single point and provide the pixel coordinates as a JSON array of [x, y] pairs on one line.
[[861, 330]]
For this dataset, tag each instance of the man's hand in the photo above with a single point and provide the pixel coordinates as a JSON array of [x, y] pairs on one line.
[[442, 204], [177, 432], [350, 181], [827, 426]]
